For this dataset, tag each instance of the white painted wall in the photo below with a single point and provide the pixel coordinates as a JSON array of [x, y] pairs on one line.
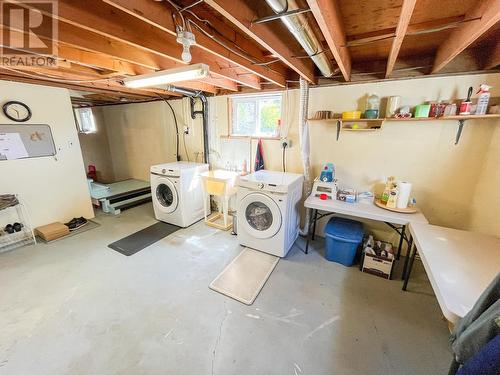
[[55, 188], [456, 186], [143, 134]]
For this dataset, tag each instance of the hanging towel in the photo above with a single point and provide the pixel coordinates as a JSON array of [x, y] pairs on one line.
[[480, 324], [8, 200], [259, 157]]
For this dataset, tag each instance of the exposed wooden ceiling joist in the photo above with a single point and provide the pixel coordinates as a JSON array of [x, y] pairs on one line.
[[98, 87], [413, 29], [91, 58], [223, 83], [72, 72], [94, 16], [241, 14], [329, 20], [102, 41], [79, 57], [404, 21], [196, 85], [493, 59], [159, 15], [486, 14]]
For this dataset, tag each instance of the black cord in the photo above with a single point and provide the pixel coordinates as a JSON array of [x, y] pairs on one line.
[[177, 157]]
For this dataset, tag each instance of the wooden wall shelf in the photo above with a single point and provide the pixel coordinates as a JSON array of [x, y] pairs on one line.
[[376, 124]]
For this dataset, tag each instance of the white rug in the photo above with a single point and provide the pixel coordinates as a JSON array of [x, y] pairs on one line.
[[245, 276]]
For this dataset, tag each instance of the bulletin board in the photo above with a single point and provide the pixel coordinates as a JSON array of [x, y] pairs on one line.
[[21, 141]]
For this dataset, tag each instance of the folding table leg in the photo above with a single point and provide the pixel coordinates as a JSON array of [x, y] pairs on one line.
[[407, 259], [308, 234], [408, 272], [401, 239], [307, 242], [315, 219]]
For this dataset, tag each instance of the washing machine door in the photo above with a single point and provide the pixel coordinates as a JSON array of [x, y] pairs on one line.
[[166, 195], [259, 216]]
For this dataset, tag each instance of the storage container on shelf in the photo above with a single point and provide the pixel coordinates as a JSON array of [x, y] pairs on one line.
[[372, 107], [342, 239]]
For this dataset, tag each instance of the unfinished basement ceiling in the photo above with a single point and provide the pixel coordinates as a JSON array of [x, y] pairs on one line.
[[364, 40]]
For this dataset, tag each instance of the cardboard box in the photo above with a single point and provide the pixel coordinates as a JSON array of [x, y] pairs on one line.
[[377, 265], [378, 259], [52, 231]]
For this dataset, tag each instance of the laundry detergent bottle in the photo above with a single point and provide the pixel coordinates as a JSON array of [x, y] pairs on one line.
[[483, 99]]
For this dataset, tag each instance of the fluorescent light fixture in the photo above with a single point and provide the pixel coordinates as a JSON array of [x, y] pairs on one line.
[[191, 72]]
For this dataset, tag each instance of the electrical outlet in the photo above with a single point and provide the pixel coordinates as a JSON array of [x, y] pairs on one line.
[[186, 130]]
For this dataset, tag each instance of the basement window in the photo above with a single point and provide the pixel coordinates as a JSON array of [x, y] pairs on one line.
[[85, 120], [256, 115]]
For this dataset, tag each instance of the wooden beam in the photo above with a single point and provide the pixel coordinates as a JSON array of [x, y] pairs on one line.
[[223, 83], [241, 14], [94, 16], [93, 59], [97, 60], [89, 48], [89, 58], [99, 87], [72, 73], [158, 15], [329, 19], [493, 60], [413, 29], [197, 85], [404, 21], [464, 35]]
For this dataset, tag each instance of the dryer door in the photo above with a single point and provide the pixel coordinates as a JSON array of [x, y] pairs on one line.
[[259, 216], [166, 195]]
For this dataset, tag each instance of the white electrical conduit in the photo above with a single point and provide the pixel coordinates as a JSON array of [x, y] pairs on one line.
[[305, 149]]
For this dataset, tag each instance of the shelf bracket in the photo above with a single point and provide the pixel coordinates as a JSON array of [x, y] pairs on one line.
[[459, 130], [339, 125]]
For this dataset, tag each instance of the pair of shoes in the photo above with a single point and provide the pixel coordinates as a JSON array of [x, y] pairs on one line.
[[11, 228], [76, 223]]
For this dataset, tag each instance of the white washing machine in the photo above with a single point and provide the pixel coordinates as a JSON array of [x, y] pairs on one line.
[[268, 211], [177, 193]]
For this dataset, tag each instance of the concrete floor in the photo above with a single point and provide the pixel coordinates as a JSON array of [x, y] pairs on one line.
[[78, 307]]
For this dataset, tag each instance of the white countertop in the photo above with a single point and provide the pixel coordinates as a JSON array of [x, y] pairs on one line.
[[364, 210], [459, 264]]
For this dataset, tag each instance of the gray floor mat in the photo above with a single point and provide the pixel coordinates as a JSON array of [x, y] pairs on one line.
[[143, 238]]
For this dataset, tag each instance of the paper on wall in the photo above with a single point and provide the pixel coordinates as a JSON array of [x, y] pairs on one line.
[[12, 146]]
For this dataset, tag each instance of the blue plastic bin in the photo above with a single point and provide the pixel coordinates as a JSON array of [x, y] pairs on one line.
[[343, 237]]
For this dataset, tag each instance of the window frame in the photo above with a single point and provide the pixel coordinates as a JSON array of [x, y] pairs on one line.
[[78, 120], [257, 95]]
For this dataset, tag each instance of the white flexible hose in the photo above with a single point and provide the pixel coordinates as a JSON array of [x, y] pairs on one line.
[[305, 149]]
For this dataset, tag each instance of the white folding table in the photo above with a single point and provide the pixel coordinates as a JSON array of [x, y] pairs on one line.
[[459, 264], [397, 221]]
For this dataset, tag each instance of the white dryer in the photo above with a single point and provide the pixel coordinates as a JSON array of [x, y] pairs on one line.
[[177, 193], [268, 211]]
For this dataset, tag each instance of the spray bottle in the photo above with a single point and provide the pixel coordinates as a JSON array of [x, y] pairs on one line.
[[482, 101]]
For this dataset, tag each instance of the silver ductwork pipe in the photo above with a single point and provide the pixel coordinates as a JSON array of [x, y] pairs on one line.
[[302, 31], [305, 149]]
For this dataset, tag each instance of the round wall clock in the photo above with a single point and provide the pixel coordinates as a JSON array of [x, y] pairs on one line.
[[17, 111]]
